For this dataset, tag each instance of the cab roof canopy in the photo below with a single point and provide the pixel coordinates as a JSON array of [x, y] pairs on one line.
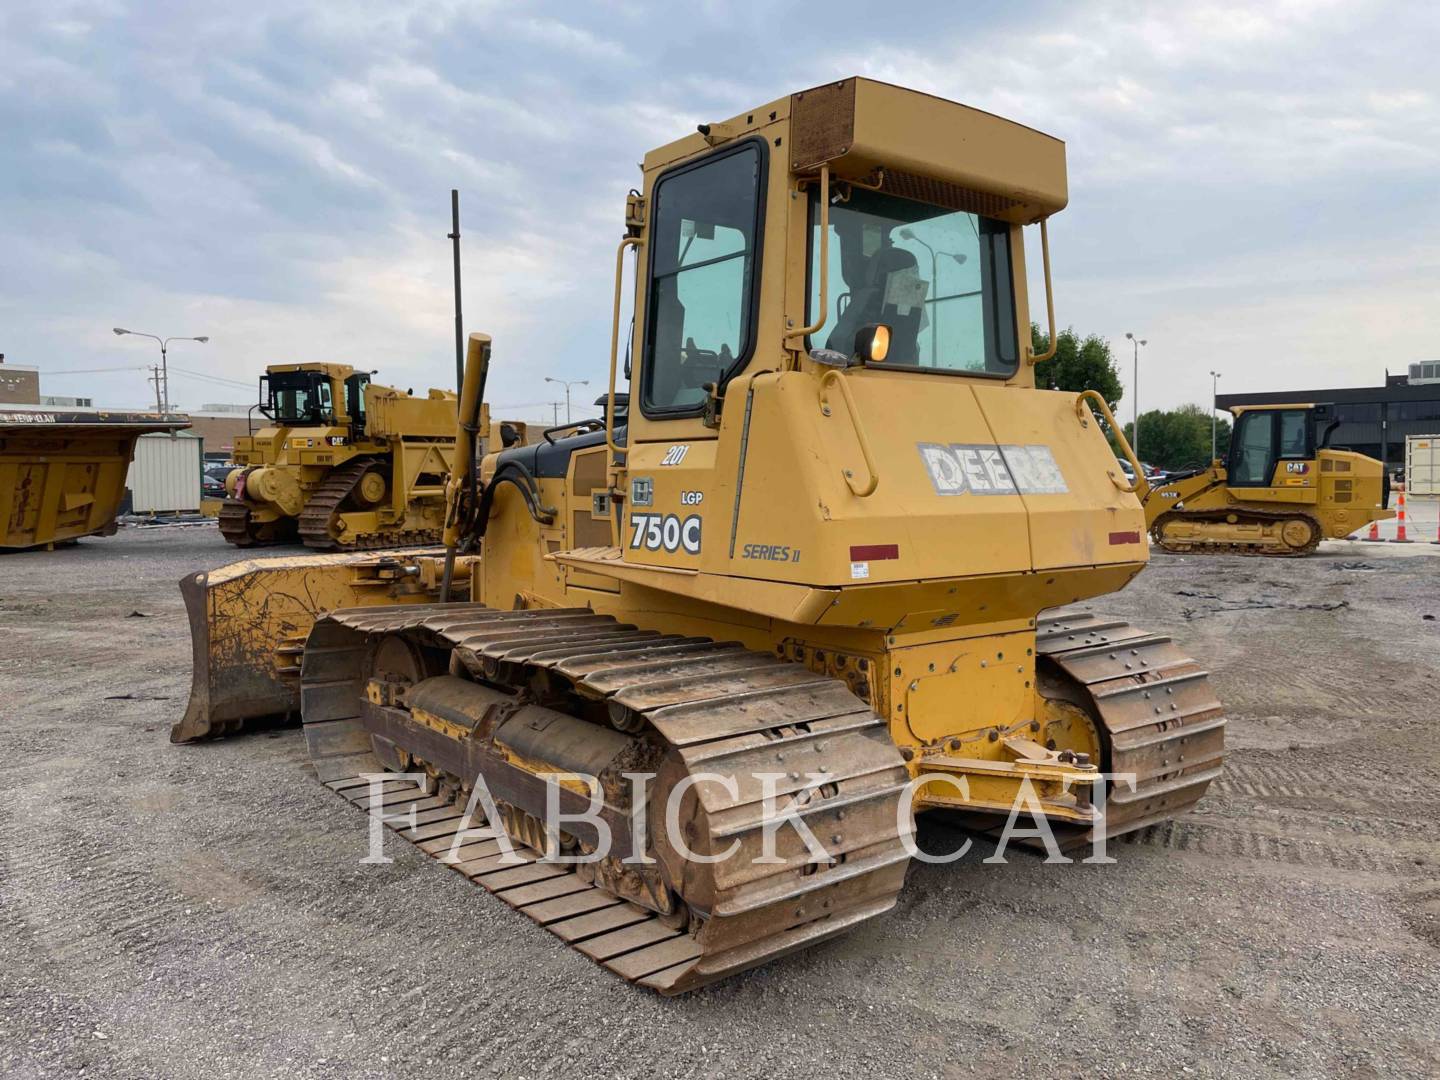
[[343, 371], [909, 144]]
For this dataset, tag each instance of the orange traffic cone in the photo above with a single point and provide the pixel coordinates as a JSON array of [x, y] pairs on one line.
[[1400, 537], [1374, 531]]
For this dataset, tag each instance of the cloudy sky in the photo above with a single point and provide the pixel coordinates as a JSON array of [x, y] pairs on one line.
[[1252, 185]]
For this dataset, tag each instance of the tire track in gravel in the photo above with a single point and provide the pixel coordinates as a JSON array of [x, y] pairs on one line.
[[1256, 845]]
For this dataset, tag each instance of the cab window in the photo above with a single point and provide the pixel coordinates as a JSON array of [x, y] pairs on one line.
[[1292, 435], [703, 255], [938, 277], [296, 397]]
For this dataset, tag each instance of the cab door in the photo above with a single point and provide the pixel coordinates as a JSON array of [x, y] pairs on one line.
[[355, 403], [699, 328]]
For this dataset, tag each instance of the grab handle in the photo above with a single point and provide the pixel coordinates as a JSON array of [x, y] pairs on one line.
[[868, 488], [616, 451], [1140, 486], [1049, 353]]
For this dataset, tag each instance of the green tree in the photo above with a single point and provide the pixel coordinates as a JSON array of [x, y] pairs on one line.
[[1078, 364], [1178, 438]]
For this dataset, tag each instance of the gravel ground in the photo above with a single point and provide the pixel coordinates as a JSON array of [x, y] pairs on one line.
[[201, 911]]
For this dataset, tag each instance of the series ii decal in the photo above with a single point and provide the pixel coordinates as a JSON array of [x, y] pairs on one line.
[[655, 532], [771, 552], [987, 469]]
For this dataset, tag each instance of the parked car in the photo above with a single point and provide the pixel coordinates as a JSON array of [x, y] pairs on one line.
[[1152, 474], [212, 479]]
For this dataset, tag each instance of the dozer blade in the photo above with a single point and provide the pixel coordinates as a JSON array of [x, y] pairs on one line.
[[249, 621]]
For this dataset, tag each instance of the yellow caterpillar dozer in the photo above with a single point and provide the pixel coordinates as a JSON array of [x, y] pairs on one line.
[[795, 596], [342, 463], [1281, 491]]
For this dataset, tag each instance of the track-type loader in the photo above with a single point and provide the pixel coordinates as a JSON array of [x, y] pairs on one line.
[[342, 463], [795, 595], [1281, 490]]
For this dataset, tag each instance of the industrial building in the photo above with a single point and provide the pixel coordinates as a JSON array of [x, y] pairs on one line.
[[1374, 420], [19, 383]]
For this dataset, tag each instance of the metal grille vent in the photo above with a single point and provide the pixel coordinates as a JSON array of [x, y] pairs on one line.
[[942, 193]]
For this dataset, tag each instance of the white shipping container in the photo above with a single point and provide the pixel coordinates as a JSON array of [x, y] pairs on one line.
[[165, 475], [1422, 464]]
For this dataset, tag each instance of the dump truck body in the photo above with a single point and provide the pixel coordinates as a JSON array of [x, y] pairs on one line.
[[62, 474]]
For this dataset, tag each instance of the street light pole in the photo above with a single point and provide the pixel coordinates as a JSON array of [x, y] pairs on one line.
[[1214, 412], [567, 384], [1135, 390], [162, 395]]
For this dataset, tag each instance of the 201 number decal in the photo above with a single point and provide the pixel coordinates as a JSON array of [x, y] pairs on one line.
[[656, 532]]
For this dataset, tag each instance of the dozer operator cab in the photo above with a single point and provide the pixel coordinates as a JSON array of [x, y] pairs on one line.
[[1266, 436], [297, 398], [827, 326], [323, 396]]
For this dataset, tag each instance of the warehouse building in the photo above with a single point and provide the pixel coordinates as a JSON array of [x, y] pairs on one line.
[[19, 383], [1374, 420]]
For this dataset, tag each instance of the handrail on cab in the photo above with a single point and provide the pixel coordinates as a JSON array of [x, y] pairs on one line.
[[868, 488], [1140, 486], [615, 450], [822, 301], [1030, 354]]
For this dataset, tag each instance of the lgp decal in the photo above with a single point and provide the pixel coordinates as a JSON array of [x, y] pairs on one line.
[[986, 469], [656, 532]]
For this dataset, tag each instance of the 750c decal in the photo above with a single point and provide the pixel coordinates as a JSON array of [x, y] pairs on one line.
[[665, 531]]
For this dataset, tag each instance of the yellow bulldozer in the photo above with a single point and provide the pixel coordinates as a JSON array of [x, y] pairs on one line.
[[712, 658], [342, 463], [1281, 490]]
